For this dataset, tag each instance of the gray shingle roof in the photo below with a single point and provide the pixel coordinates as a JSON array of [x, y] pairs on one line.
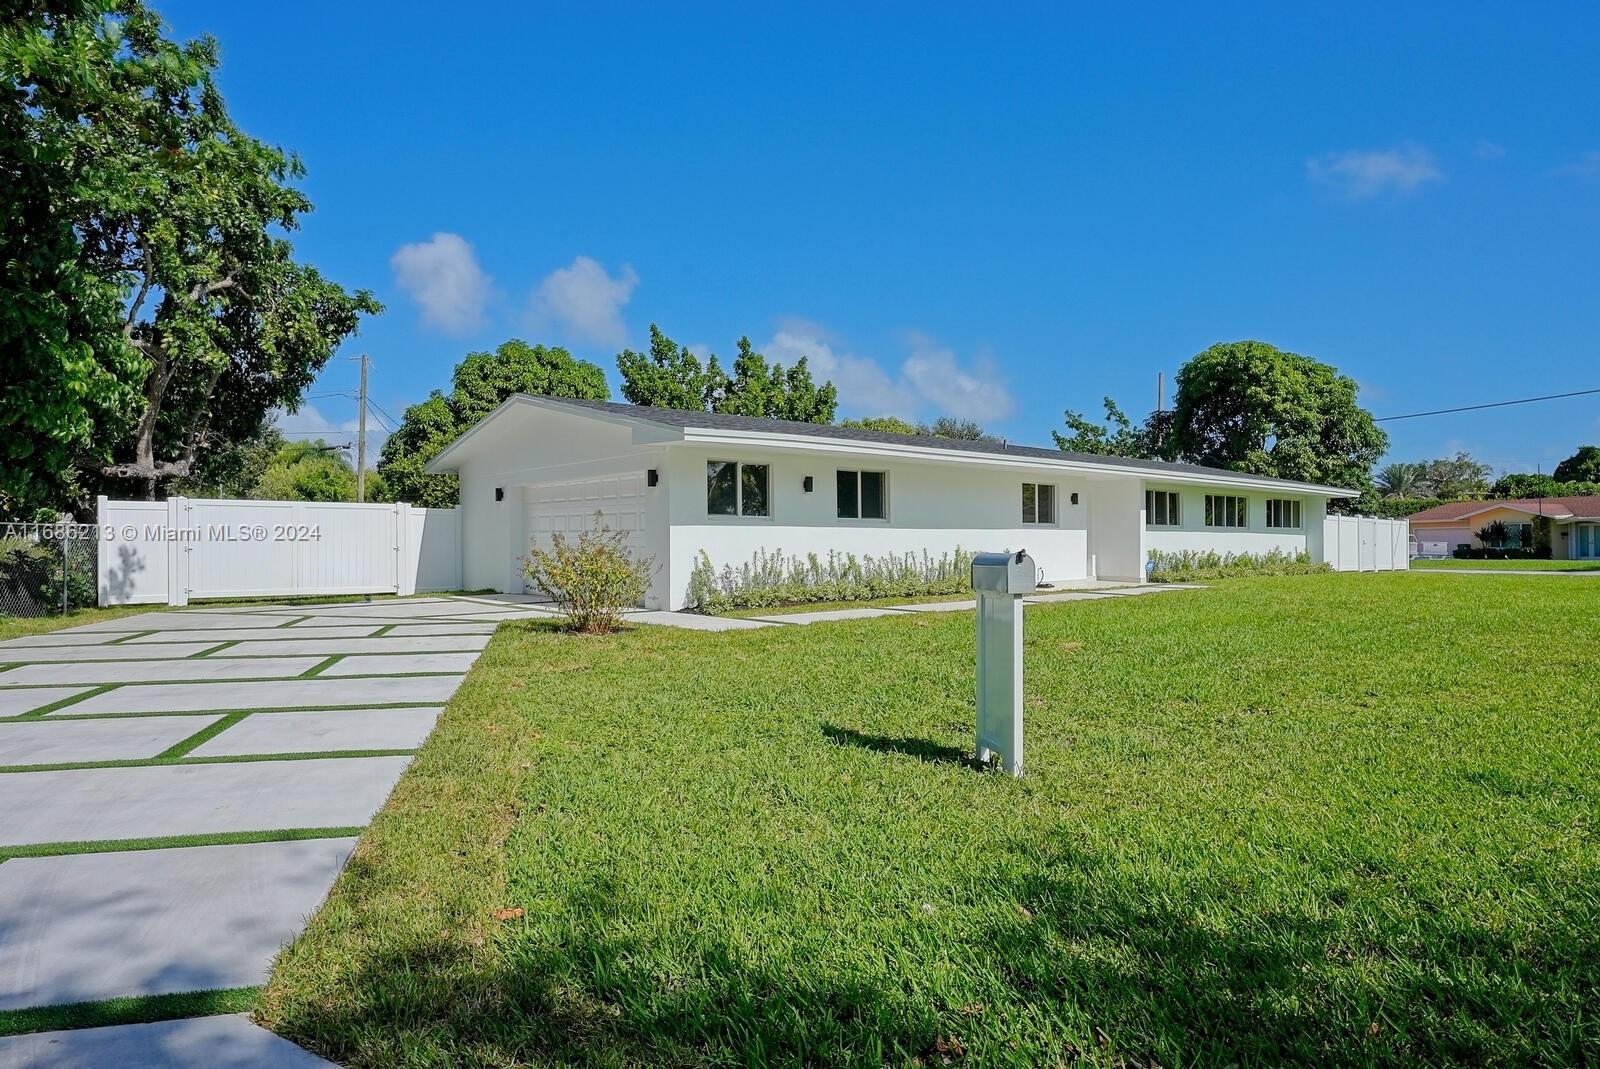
[[672, 417]]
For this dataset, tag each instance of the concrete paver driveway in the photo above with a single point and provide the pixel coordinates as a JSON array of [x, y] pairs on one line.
[[179, 789]]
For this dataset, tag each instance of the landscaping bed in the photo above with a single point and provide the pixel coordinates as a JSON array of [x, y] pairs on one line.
[[1312, 819]]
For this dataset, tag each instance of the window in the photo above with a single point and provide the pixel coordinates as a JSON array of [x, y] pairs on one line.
[[734, 489], [1038, 503], [1225, 511], [862, 495], [1161, 508], [1283, 512]]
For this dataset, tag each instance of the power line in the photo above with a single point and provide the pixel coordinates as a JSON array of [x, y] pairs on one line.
[[1494, 404], [387, 419]]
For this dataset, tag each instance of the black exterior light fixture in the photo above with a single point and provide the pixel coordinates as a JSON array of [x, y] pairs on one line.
[[807, 483], [652, 477], [1074, 497], [499, 493]]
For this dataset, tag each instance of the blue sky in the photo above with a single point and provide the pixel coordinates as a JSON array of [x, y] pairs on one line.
[[990, 213]]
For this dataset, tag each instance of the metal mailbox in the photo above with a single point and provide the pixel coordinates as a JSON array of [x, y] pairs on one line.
[[1000, 580], [1005, 573]]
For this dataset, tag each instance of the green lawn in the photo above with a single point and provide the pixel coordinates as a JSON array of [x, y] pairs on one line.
[[1452, 564], [1326, 820]]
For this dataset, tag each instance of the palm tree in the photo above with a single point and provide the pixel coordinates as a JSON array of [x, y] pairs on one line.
[[1403, 480]]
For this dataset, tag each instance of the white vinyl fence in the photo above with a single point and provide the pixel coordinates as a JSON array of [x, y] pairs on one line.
[[1365, 544], [176, 550]]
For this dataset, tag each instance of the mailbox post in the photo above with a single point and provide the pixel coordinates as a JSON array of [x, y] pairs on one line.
[[1000, 580]]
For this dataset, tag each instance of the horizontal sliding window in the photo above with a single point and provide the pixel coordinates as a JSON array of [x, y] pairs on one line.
[[1161, 508], [1283, 512], [734, 489], [1038, 503], [1224, 511], [863, 495]]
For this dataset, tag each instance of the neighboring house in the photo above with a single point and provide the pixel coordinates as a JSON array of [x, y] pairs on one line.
[[685, 482], [1574, 524]]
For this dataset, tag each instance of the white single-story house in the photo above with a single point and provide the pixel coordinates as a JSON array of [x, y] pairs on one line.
[[682, 483]]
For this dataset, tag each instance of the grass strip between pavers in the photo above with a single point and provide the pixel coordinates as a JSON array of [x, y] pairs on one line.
[[141, 1009], [210, 731], [259, 709], [327, 662], [291, 621], [208, 651], [74, 699], [127, 637], [173, 842], [218, 759], [210, 682]]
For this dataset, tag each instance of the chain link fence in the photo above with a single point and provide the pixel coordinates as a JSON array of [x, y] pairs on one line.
[[47, 568]]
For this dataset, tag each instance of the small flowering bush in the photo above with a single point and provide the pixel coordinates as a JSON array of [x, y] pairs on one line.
[[1191, 565], [592, 580], [774, 578]]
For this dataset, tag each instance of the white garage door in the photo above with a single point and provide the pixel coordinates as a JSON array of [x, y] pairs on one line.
[[569, 508]]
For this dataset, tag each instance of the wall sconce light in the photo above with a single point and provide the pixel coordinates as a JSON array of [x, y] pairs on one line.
[[806, 482], [499, 493], [652, 477], [1074, 497]]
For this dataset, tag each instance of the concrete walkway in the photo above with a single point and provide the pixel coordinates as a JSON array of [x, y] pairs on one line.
[[179, 791]]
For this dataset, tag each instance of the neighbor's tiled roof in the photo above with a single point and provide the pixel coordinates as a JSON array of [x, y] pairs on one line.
[[1559, 508]]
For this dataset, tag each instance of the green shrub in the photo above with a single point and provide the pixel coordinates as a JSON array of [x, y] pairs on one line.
[[592, 581], [770, 579], [1191, 565], [1466, 552]]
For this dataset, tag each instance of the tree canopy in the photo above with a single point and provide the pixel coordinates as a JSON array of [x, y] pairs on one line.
[[671, 376], [943, 427], [1581, 467], [1248, 406], [1251, 407], [481, 382], [1116, 437], [162, 313], [308, 471]]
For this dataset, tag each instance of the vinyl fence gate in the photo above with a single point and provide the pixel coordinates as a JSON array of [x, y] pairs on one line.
[[181, 549]]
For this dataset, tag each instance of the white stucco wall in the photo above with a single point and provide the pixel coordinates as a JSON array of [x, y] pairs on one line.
[[1257, 537], [936, 508], [537, 446]]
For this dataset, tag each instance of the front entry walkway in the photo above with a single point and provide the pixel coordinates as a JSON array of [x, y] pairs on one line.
[[178, 791]]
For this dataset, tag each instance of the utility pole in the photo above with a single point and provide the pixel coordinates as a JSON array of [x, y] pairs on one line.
[[1161, 398], [361, 436]]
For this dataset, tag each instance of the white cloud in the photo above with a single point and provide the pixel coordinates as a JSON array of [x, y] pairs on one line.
[[935, 374], [442, 275], [929, 382], [586, 301], [1586, 166], [1488, 150], [1362, 173]]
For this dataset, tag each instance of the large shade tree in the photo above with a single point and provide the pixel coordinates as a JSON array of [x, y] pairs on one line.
[[164, 314], [481, 382], [1251, 407]]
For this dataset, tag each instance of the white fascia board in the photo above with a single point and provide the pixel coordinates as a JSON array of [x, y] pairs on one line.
[[645, 432], [709, 436]]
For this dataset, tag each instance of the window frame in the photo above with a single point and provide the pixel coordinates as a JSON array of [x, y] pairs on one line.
[[1174, 509], [1055, 505], [1241, 506], [1274, 512], [859, 474], [738, 512]]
